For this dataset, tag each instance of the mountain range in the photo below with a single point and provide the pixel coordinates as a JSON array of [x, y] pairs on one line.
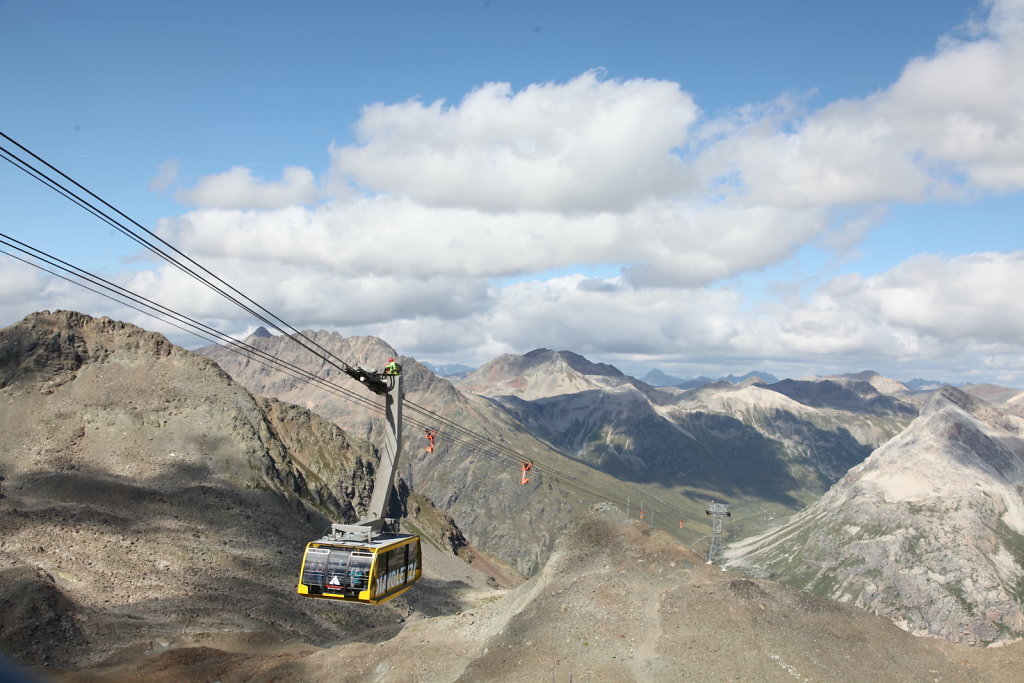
[[153, 497], [767, 452], [657, 378]]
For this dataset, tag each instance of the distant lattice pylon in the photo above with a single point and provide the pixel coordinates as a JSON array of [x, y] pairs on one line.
[[716, 511]]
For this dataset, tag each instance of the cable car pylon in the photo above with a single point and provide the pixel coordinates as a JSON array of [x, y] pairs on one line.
[[368, 562], [716, 511]]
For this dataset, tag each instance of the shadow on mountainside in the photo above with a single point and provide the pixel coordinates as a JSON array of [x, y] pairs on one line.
[[153, 559], [1002, 453], [624, 437], [860, 397], [727, 456], [126, 564]]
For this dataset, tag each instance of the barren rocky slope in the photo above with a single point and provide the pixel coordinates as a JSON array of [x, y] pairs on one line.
[[929, 530], [615, 603], [147, 497]]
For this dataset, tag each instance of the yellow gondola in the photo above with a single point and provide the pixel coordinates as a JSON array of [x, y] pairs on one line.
[[359, 571], [366, 562]]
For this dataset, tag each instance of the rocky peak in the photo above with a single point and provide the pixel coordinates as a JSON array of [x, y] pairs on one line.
[[50, 347], [572, 360], [928, 530], [541, 373]]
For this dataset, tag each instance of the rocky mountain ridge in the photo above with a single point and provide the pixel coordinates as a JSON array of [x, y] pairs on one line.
[[929, 530], [766, 447], [144, 490]]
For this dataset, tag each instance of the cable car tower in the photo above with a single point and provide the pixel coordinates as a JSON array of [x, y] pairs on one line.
[[716, 511], [368, 562], [390, 387]]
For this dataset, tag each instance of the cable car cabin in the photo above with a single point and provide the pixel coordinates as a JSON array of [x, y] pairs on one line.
[[370, 572]]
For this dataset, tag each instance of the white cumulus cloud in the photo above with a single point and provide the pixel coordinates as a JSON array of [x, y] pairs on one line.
[[590, 144], [952, 124], [239, 189]]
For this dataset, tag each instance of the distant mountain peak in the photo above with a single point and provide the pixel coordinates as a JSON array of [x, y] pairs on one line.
[[261, 332], [763, 377], [881, 383], [540, 373], [657, 378], [574, 360]]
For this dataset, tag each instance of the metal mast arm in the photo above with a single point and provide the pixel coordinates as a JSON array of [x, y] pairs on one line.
[[389, 456], [373, 521]]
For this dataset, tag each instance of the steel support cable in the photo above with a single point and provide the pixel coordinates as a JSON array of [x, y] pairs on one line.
[[124, 296], [488, 441], [284, 328], [146, 306], [95, 291], [513, 457], [465, 431], [30, 170], [266, 316]]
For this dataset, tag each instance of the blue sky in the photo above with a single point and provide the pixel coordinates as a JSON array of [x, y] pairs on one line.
[[800, 187]]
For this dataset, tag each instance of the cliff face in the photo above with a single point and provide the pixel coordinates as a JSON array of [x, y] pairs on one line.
[[929, 530], [145, 492]]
